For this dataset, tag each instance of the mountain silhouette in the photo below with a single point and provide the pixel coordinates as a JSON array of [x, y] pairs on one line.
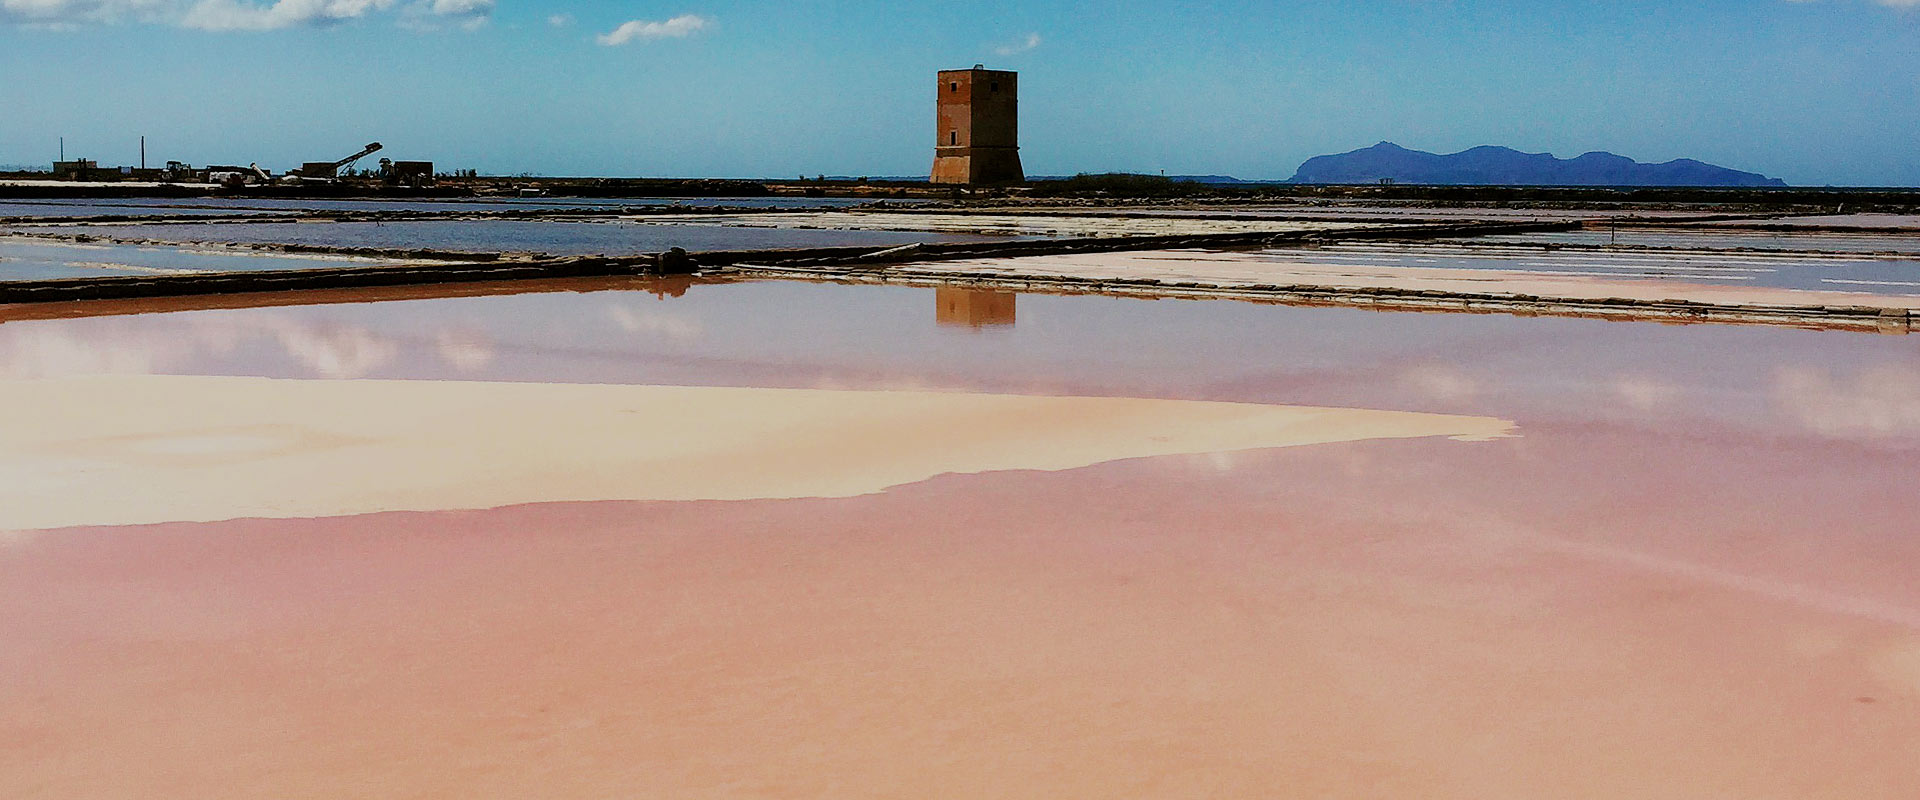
[[1505, 166]]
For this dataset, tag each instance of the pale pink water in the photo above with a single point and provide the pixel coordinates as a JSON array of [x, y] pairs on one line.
[[1690, 575]]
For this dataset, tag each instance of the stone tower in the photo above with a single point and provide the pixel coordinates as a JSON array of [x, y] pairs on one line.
[[979, 127]]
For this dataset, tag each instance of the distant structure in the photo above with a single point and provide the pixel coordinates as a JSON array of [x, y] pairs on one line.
[[979, 127], [79, 169], [329, 171], [406, 173]]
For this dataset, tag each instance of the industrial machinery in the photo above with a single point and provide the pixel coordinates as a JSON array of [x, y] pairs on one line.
[[329, 171], [237, 176], [406, 173]]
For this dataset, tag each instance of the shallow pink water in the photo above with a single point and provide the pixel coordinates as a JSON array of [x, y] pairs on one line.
[[1689, 576]]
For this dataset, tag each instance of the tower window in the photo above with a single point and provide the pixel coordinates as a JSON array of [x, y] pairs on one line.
[[953, 137], [953, 87], [994, 86]]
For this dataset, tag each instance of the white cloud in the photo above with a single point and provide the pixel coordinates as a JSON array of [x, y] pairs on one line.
[[69, 13], [560, 20], [679, 27], [238, 15], [1029, 42], [460, 8], [427, 15], [234, 15]]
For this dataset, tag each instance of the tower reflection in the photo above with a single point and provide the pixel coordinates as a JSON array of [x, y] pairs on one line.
[[972, 308]]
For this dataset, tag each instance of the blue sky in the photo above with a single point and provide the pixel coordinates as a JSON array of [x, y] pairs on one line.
[[1814, 91]]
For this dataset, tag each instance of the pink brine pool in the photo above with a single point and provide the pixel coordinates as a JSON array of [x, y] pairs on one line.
[[794, 540]]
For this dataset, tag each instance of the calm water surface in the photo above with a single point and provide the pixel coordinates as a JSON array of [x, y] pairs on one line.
[[556, 238], [194, 206], [123, 208], [1689, 573], [1704, 238], [1831, 270], [42, 259]]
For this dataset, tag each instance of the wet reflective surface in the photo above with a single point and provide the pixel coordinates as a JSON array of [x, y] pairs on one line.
[[975, 308], [188, 206], [1707, 238], [1414, 211], [1832, 270], [43, 259], [1910, 222], [554, 238], [1027, 224], [1439, 270], [102, 208], [1687, 574]]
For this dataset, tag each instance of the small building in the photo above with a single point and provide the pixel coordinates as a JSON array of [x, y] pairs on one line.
[[82, 169], [978, 122]]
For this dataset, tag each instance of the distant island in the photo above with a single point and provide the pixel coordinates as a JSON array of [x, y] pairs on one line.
[[1505, 166]]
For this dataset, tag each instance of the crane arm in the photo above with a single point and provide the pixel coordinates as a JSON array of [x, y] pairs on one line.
[[371, 147]]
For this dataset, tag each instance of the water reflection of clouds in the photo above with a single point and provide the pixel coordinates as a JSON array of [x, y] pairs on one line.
[[1441, 382], [464, 349], [1874, 403], [335, 351], [1644, 392], [52, 351], [193, 343], [799, 335], [633, 319]]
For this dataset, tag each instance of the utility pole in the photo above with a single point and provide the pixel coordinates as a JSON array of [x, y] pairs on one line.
[[143, 152], [63, 148]]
